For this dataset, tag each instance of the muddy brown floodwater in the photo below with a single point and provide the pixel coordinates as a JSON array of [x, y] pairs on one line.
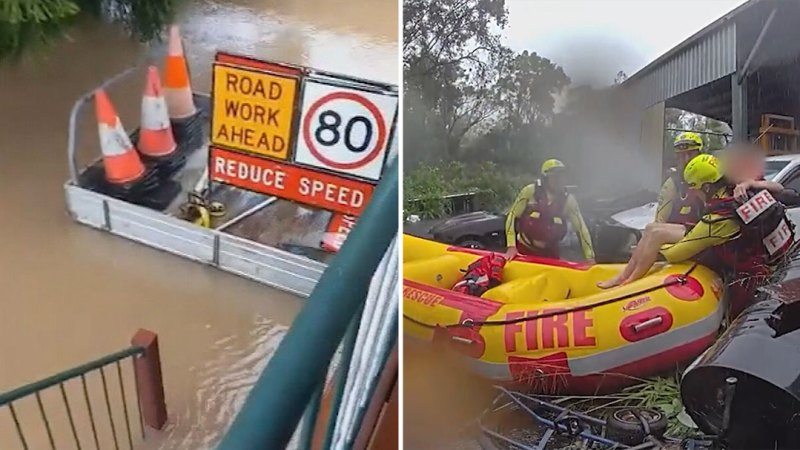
[[71, 294]]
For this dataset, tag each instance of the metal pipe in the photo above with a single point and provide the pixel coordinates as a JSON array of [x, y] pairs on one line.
[[647, 324], [108, 408], [247, 213], [279, 397], [738, 110], [89, 410], [20, 434], [714, 133], [73, 119], [756, 45], [730, 388]]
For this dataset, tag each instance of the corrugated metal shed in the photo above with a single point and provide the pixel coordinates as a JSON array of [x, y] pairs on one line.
[[709, 59], [708, 55]]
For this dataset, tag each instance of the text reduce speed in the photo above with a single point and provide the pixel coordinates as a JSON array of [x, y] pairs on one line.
[[299, 184], [253, 111], [344, 130]]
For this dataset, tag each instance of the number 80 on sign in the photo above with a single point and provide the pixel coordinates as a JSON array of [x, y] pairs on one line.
[[345, 130]]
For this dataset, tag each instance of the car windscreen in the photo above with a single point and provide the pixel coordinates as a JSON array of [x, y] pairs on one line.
[[773, 168]]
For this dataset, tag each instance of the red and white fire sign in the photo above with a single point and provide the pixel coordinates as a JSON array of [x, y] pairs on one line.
[[778, 238], [345, 130], [757, 204]]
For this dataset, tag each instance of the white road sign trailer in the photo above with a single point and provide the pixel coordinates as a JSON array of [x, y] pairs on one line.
[[216, 246]]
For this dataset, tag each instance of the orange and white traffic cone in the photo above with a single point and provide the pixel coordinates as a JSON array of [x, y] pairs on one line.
[[155, 135], [121, 162], [177, 86]]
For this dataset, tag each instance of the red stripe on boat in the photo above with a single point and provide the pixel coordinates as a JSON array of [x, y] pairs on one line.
[[474, 308], [608, 381]]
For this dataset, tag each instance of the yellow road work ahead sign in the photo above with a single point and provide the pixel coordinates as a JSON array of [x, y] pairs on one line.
[[253, 111]]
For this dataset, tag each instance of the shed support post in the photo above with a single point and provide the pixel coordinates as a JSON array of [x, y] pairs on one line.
[[739, 85], [739, 107]]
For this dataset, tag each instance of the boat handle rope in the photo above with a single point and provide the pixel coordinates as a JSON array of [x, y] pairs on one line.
[[469, 323]]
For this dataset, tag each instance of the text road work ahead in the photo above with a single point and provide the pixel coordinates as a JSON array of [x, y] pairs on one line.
[[253, 111]]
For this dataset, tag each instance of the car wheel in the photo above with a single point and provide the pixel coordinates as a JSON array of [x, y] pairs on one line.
[[471, 242]]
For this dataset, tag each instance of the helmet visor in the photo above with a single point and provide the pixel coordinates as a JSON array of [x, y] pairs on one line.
[[685, 146]]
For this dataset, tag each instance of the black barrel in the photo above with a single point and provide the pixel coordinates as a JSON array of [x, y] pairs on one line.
[[746, 387]]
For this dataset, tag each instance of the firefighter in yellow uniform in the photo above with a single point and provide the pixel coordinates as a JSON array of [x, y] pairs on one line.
[[745, 254], [537, 221], [676, 202]]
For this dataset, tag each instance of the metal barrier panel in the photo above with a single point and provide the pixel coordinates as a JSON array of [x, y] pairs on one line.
[[268, 265], [161, 231]]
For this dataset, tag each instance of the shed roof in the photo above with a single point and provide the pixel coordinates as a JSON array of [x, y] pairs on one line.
[[704, 34], [712, 53]]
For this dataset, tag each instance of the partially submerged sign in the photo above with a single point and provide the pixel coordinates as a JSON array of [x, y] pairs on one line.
[[253, 111], [300, 134], [344, 130], [338, 228], [289, 181]]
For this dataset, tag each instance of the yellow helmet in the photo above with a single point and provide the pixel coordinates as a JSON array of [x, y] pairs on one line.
[[552, 164], [702, 169], [688, 141]]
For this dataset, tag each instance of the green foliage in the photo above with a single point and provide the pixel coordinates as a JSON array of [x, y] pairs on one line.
[[26, 24], [441, 34], [424, 188], [468, 97], [526, 87], [423, 192], [143, 18], [659, 393]]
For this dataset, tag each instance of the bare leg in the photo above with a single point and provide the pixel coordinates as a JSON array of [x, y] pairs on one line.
[[632, 263], [646, 252], [669, 233]]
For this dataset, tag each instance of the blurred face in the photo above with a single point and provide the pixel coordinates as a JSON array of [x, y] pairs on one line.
[[555, 180], [684, 156], [739, 166]]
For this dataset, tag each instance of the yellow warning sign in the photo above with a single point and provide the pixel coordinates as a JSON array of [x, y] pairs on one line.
[[253, 111]]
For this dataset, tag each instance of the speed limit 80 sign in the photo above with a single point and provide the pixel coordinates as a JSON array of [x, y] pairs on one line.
[[345, 130]]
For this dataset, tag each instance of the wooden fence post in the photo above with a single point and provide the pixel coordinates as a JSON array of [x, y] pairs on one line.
[[149, 382]]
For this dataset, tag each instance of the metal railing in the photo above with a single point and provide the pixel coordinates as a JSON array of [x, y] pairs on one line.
[[138, 354], [352, 291]]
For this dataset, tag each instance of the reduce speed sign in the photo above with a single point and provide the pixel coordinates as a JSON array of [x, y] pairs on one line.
[[345, 130]]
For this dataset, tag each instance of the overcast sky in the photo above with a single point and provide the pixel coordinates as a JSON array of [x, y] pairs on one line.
[[594, 39]]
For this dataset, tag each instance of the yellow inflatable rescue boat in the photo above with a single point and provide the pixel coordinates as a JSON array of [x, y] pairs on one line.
[[548, 328]]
